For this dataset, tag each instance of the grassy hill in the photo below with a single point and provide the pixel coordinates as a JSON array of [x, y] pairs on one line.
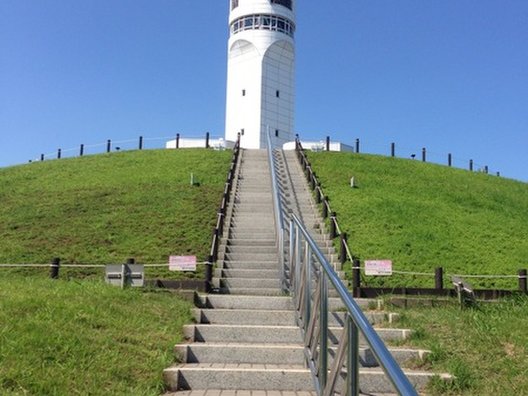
[[424, 216], [105, 208], [85, 338]]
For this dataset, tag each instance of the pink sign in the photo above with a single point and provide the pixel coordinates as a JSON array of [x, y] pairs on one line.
[[182, 263], [378, 267]]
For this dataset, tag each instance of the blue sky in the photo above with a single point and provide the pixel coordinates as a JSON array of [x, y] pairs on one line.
[[448, 75]]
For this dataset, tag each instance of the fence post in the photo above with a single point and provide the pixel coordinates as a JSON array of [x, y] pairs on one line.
[[108, 145], [471, 165], [424, 154], [356, 278], [325, 207], [439, 278], [59, 153], [318, 195], [81, 150], [141, 142], [523, 282], [498, 174], [216, 235], [54, 268], [328, 143], [209, 274], [342, 251], [313, 181], [42, 157], [333, 232], [449, 159], [393, 149], [207, 140], [486, 169], [357, 145], [177, 140]]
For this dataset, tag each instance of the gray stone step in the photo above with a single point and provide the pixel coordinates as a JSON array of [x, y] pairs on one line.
[[247, 273], [244, 302], [251, 249], [251, 242], [248, 283], [277, 317], [276, 354], [253, 291], [254, 265], [249, 256], [274, 377], [271, 334]]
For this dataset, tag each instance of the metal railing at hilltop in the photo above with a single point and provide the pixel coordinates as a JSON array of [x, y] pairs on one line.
[[306, 264]]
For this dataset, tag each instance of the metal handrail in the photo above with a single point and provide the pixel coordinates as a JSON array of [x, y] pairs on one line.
[[312, 309], [279, 218]]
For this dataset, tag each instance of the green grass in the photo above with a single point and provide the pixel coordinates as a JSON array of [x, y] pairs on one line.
[[85, 338], [106, 208], [424, 216], [485, 348]]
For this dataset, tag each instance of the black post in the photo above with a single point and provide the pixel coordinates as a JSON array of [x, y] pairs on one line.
[[357, 145], [439, 278], [108, 145], [54, 268], [449, 159], [209, 274], [141, 142], [342, 251], [523, 284], [393, 149], [333, 232], [177, 140], [81, 150], [356, 279], [328, 143], [318, 195], [207, 140], [59, 153], [42, 157], [471, 165], [424, 154], [131, 260], [486, 169], [313, 181], [215, 250], [498, 174], [325, 207]]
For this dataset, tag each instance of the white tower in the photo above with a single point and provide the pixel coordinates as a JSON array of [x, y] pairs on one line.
[[260, 76]]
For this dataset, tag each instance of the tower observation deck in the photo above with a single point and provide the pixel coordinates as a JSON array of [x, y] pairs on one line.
[[260, 78]]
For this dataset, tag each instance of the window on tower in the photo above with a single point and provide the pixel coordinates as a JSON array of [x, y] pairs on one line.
[[285, 3], [234, 4], [263, 22]]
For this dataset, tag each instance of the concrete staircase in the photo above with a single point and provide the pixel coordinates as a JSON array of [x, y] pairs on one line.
[[245, 340]]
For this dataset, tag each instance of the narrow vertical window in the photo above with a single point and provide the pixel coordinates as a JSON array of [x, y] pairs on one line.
[[276, 133], [243, 92], [242, 132], [277, 94]]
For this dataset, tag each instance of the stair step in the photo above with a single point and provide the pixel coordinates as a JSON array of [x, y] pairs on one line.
[[275, 377], [251, 265], [277, 317], [247, 273], [244, 302], [248, 283]]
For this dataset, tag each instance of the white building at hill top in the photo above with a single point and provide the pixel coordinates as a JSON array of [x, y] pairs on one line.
[[260, 77]]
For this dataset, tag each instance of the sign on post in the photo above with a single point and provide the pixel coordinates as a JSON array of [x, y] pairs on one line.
[[182, 263], [378, 267]]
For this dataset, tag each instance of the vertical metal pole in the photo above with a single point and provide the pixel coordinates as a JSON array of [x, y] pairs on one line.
[[325, 207], [209, 274], [298, 261], [486, 169], [393, 149], [323, 325], [342, 251], [177, 140], [207, 140], [42, 158], [449, 159], [424, 154], [307, 284], [471, 165], [293, 285], [141, 142], [108, 145], [356, 278], [81, 150], [59, 152], [333, 231], [328, 143], [353, 358], [357, 145], [282, 263]]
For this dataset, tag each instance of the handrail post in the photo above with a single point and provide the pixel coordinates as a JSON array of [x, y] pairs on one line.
[[352, 358], [523, 282], [307, 284], [323, 325], [343, 250], [333, 231], [356, 279], [291, 252]]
